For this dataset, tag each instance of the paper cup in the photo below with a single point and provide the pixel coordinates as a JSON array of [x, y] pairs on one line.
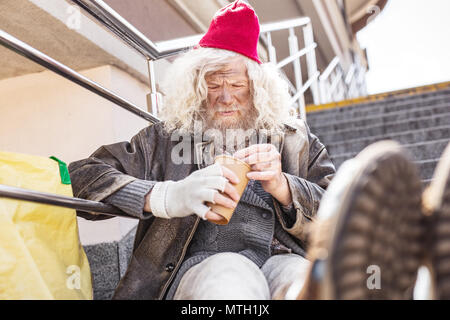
[[240, 168]]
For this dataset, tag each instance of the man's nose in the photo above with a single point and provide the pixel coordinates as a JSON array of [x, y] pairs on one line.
[[225, 97]]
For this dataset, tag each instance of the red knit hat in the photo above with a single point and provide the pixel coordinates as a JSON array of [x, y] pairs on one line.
[[235, 28]]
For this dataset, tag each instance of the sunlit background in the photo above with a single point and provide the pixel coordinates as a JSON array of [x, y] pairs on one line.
[[408, 45]]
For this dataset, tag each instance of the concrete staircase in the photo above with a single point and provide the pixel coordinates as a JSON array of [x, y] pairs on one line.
[[108, 262], [420, 121]]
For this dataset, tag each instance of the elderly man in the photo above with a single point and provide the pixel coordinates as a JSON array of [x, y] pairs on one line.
[[219, 89]]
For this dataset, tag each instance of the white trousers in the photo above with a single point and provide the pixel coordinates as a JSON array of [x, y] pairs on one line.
[[231, 276]]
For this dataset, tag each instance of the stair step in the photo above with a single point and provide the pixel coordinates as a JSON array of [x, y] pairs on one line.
[[108, 262], [374, 108], [409, 137], [384, 129], [382, 118], [390, 101], [418, 151], [104, 262], [426, 168]]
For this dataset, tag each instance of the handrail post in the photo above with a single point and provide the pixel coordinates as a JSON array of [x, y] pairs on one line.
[[293, 49], [272, 50], [323, 91], [154, 98], [311, 60]]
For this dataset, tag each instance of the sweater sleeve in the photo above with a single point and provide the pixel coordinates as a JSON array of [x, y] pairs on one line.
[[131, 198]]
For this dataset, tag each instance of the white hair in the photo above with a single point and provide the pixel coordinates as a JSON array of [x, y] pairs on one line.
[[185, 90]]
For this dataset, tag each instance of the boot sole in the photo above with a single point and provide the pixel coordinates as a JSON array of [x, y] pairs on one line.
[[375, 247], [436, 203]]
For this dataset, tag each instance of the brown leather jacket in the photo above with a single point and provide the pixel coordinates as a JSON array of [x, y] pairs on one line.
[[160, 244]]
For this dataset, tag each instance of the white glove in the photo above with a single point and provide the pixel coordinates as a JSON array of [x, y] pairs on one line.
[[170, 199]]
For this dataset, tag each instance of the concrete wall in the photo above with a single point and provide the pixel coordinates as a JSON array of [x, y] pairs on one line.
[[43, 114]]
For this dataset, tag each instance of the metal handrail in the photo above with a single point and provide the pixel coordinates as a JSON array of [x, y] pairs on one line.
[[351, 82], [107, 16], [31, 53], [328, 85], [297, 55], [124, 30], [181, 44], [350, 74], [306, 86], [336, 81], [61, 201], [294, 57], [285, 24], [329, 69]]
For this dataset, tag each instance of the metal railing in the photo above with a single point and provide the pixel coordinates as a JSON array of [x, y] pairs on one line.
[[42, 59], [106, 16], [60, 201], [336, 85], [294, 57], [331, 82], [124, 30]]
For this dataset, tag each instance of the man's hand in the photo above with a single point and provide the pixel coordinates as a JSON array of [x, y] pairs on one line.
[[182, 198], [265, 161]]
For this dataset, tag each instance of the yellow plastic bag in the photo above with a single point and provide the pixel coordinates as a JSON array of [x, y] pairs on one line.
[[40, 252]]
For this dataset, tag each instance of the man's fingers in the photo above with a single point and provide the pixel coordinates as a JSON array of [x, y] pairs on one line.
[[262, 157], [224, 201], [243, 153], [212, 216], [217, 182], [261, 175], [261, 166], [231, 191], [230, 175]]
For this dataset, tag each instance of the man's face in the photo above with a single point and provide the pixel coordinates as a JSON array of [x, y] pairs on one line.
[[229, 103]]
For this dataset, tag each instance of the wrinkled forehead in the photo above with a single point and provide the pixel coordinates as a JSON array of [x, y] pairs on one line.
[[235, 69]]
